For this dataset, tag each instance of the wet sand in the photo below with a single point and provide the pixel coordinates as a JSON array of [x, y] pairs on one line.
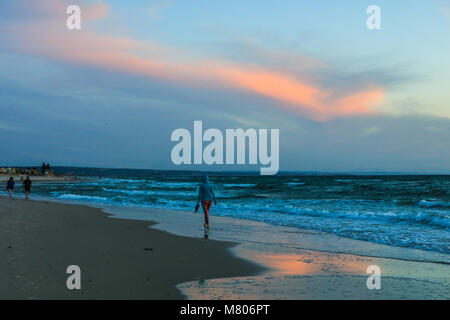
[[119, 259], [305, 264], [308, 274]]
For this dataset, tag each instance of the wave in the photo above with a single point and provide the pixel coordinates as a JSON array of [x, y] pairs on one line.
[[243, 196], [239, 185], [362, 210], [428, 218], [70, 196], [295, 183], [434, 204], [174, 185], [118, 180], [156, 193], [129, 192]]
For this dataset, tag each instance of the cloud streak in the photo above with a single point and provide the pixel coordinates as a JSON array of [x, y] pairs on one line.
[[48, 38]]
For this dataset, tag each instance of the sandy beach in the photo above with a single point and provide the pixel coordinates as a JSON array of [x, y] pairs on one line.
[[119, 259], [125, 259]]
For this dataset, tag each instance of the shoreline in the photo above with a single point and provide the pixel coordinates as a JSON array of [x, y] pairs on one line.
[[118, 212], [166, 220], [430, 256], [285, 267]]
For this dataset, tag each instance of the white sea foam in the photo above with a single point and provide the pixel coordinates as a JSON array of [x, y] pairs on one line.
[[433, 203], [240, 185], [81, 197]]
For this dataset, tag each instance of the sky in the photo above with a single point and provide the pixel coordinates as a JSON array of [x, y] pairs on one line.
[[345, 98]]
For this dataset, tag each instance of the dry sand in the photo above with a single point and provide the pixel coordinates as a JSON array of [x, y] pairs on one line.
[[119, 259]]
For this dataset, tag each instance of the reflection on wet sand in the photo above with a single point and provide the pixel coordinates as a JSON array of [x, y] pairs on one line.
[[307, 263], [316, 275]]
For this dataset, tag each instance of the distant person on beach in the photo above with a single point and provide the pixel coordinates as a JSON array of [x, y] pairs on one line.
[[206, 196], [10, 186], [27, 186]]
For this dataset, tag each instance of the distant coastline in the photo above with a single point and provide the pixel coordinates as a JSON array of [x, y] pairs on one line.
[[139, 172]]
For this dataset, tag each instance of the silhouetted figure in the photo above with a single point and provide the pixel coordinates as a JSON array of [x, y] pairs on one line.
[[206, 197], [27, 186], [43, 168], [10, 186]]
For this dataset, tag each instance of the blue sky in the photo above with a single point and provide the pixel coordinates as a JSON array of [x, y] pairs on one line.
[[345, 98]]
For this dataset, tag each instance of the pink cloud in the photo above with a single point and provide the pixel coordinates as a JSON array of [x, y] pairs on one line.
[[50, 39]]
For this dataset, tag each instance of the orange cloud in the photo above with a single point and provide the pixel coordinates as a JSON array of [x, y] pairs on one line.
[[269, 83], [359, 102], [50, 39]]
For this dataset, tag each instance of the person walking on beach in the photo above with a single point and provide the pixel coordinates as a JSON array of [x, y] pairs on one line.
[[27, 186], [206, 197], [10, 186]]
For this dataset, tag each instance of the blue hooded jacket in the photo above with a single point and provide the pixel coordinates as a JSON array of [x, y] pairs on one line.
[[205, 191]]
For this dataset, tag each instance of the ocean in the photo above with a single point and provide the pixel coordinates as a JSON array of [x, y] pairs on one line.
[[399, 210]]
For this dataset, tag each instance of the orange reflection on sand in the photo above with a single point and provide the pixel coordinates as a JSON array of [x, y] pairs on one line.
[[309, 264], [289, 264]]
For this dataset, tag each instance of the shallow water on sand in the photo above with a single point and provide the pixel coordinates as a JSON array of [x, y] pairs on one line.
[[304, 264]]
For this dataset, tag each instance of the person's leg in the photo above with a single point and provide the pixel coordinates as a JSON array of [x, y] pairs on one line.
[[206, 207], [10, 193], [27, 194]]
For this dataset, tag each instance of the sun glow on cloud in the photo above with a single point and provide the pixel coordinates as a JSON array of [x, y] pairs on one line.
[[50, 39]]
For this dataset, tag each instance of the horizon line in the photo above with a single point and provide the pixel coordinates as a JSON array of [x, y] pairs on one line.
[[281, 172]]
